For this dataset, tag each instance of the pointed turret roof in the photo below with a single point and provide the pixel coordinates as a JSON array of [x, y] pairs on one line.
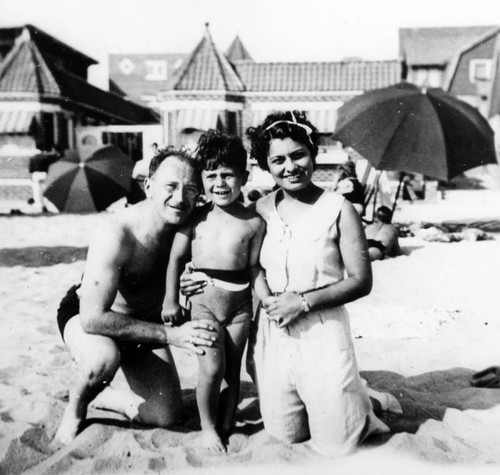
[[207, 70], [237, 51], [31, 68], [24, 69]]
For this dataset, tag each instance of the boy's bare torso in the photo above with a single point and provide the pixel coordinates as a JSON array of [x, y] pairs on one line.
[[221, 238]]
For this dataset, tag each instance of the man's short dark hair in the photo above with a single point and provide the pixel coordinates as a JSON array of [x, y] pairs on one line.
[[384, 214], [181, 154]]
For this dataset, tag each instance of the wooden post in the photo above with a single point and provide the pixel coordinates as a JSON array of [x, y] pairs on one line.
[[398, 191]]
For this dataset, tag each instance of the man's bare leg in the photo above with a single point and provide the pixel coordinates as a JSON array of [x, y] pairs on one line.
[[210, 374], [97, 359], [235, 340], [155, 396]]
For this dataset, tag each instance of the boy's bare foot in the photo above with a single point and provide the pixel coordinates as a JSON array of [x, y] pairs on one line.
[[211, 441], [68, 429]]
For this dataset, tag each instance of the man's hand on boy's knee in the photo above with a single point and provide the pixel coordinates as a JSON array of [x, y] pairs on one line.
[[193, 336]]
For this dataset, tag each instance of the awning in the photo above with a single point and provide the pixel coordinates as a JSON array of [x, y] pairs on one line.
[[323, 120], [200, 119], [15, 121]]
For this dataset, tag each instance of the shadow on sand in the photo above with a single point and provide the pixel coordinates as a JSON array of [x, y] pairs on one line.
[[423, 397], [429, 395], [41, 256], [107, 438]]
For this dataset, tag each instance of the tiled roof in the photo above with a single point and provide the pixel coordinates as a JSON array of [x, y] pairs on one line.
[[237, 51], [438, 46], [318, 77], [48, 42], [110, 104], [25, 71], [207, 70], [45, 42]]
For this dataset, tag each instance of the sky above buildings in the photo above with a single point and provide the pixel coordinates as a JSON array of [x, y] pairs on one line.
[[272, 30]]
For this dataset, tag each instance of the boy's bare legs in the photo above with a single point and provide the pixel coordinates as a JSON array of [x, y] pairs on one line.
[[236, 336], [210, 374]]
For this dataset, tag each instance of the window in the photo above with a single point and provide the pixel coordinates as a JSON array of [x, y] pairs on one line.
[[156, 69], [480, 70]]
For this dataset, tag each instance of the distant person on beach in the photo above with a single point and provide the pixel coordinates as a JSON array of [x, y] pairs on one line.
[[382, 236], [38, 168], [223, 240], [139, 174], [116, 323], [349, 186]]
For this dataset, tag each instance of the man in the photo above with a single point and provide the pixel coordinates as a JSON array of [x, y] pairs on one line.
[[119, 322], [38, 168], [382, 236]]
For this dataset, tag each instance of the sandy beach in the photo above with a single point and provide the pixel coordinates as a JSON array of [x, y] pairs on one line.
[[431, 321]]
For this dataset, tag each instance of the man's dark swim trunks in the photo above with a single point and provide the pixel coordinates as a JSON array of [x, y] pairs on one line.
[[68, 308], [377, 245]]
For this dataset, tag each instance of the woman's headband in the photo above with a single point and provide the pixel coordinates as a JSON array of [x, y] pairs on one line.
[[305, 127]]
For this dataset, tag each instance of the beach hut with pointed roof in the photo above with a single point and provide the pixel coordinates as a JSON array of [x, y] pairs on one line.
[[232, 92], [45, 98], [206, 93]]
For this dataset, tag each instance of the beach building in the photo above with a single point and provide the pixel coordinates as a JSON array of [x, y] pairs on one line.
[[46, 101], [461, 60], [231, 92], [170, 99], [464, 61], [140, 77]]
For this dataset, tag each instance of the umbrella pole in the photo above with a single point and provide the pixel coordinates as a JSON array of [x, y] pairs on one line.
[[398, 191], [375, 194]]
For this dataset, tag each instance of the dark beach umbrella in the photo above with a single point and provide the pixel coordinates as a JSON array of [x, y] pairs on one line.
[[77, 186], [410, 129]]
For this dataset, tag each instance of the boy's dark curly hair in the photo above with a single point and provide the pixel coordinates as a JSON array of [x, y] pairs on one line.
[[216, 148], [181, 154], [261, 136]]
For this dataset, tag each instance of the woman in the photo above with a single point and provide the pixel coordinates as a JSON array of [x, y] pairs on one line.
[[306, 370], [349, 186]]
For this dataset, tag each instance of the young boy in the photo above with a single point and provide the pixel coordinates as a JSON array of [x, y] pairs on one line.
[[223, 240]]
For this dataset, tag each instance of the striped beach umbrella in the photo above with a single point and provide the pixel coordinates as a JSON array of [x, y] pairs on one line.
[[83, 186]]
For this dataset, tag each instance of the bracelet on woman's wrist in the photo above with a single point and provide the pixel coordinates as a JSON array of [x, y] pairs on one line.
[[305, 305]]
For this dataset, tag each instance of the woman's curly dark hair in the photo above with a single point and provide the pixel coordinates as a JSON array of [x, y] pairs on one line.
[[260, 137], [216, 148]]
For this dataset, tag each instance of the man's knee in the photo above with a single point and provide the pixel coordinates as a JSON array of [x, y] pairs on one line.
[[100, 366]]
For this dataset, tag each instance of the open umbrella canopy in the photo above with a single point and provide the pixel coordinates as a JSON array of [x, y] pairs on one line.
[[77, 186], [416, 130]]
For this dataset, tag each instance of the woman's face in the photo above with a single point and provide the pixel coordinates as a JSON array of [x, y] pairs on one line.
[[290, 164]]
